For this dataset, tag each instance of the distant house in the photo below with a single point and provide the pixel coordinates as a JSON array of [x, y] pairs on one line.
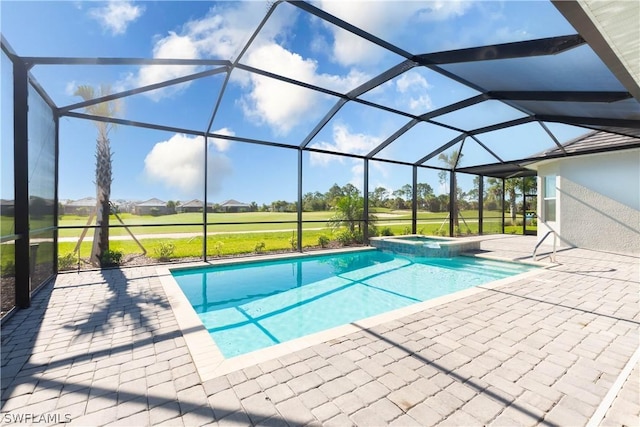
[[151, 207], [234, 206], [85, 206], [7, 207], [123, 206], [194, 205]]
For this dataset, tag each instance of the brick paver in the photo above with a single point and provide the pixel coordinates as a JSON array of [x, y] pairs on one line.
[[104, 348]]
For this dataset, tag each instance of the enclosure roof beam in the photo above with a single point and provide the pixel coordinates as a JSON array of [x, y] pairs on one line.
[[153, 126], [560, 96], [486, 148], [552, 136], [373, 83], [232, 66], [40, 60], [142, 89], [133, 123], [350, 28], [290, 80], [591, 121], [503, 125], [440, 149], [454, 107], [523, 49], [397, 134], [322, 123], [382, 78]]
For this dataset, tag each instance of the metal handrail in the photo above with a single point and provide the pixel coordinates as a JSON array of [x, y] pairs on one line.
[[553, 255]]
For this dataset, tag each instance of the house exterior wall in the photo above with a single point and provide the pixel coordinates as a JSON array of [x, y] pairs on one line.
[[597, 201]]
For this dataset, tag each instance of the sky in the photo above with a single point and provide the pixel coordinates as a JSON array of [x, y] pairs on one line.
[[170, 166]]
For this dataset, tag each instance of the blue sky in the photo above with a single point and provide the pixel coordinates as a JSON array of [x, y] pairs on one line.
[[169, 166]]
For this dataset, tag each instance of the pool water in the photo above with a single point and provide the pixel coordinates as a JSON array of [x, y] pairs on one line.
[[247, 307]]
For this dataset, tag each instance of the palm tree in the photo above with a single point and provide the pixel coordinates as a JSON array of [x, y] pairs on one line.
[[103, 167], [349, 211]]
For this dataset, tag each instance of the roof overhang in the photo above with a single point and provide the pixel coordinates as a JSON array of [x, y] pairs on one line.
[[611, 29]]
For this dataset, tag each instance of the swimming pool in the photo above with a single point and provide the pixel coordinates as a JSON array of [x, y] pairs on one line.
[[251, 306]]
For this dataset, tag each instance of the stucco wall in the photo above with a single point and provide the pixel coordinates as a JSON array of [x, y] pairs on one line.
[[598, 201]]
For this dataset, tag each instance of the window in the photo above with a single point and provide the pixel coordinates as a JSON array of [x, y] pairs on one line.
[[549, 198]]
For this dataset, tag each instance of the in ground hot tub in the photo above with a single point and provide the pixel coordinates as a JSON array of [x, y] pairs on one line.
[[425, 246]]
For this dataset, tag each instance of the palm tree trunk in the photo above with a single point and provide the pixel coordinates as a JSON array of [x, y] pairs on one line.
[[103, 194]]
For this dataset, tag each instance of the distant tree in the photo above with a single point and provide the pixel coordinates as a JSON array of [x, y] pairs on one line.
[[253, 207], [279, 206], [424, 192], [315, 201], [171, 207], [103, 167], [333, 194], [398, 194], [512, 187], [407, 191], [451, 161], [378, 197], [398, 203]]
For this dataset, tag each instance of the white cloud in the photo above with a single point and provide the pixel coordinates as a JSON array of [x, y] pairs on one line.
[[346, 142], [116, 15], [222, 34], [178, 164], [384, 19], [415, 87], [173, 46], [410, 80], [421, 104], [343, 142], [282, 105], [219, 143], [70, 88]]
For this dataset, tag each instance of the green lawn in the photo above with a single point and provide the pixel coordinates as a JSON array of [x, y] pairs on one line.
[[243, 237]]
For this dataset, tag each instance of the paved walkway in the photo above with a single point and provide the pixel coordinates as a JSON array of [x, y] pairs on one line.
[[103, 348]]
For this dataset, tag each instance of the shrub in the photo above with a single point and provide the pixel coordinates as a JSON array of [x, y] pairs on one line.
[[8, 269], [66, 262], [260, 246], [406, 230], [110, 258], [323, 241], [491, 206], [386, 231], [217, 248], [345, 237], [293, 241], [164, 252]]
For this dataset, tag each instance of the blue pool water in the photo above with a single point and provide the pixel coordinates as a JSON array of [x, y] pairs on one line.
[[246, 307]]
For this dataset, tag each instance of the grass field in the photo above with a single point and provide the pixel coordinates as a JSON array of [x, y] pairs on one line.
[[244, 233]]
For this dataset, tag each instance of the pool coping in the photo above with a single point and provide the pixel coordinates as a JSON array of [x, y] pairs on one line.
[[209, 360]]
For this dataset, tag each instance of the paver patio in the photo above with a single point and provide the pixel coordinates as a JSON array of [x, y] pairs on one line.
[[104, 348]]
